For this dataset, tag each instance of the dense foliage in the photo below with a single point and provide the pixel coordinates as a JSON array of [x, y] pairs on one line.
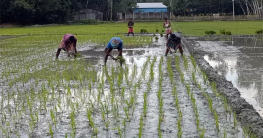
[[59, 11]]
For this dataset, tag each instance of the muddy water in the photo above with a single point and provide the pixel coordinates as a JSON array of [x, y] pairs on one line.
[[138, 56], [239, 59]]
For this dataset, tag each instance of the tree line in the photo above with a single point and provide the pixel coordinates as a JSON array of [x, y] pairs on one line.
[[60, 11]]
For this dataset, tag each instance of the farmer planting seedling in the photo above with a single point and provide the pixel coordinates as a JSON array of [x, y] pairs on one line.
[[68, 44], [174, 41], [114, 43]]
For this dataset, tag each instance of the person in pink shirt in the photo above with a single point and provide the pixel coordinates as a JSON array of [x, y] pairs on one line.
[[68, 43]]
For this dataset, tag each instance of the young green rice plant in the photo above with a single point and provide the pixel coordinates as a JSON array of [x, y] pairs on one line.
[[53, 118], [193, 61], [103, 115], [95, 131], [182, 77], [225, 103], [32, 119], [210, 104], [123, 92], [73, 123], [50, 131], [107, 124], [159, 127], [141, 126], [235, 119], [194, 78], [247, 132], [225, 136], [151, 72], [216, 119], [214, 89], [126, 110], [202, 132], [179, 127], [144, 104], [177, 102], [204, 77], [185, 62], [119, 131]]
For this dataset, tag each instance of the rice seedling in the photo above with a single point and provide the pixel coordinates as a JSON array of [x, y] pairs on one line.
[[53, 117], [50, 131], [127, 114], [144, 104], [202, 133], [185, 62], [225, 103], [119, 131], [194, 78], [193, 61], [235, 119], [159, 127], [107, 123], [216, 120], [225, 136], [95, 131], [210, 104], [179, 127], [140, 126]]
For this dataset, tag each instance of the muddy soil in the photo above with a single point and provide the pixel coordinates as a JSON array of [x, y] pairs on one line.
[[233, 63], [138, 56]]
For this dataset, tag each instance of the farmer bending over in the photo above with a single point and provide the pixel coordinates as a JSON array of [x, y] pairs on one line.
[[130, 25], [114, 43], [68, 43], [174, 41]]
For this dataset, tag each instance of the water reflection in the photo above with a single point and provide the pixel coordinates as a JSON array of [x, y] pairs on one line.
[[240, 61]]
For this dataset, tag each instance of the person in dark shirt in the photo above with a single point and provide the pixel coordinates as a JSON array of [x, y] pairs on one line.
[[130, 25], [174, 42]]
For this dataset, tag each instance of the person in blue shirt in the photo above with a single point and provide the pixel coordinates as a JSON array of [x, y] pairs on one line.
[[114, 43], [174, 42]]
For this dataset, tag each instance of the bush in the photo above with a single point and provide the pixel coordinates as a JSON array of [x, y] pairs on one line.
[[162, 31], [143, 31], [156, 38], [222, 32], [228, 33], [161, 34], [258, 32], [211, 32], [157, 30]]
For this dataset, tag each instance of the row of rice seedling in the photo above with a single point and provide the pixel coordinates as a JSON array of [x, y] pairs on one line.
[[175, 95], [160, 98], [145, 95], [222, 98], [190, 94]]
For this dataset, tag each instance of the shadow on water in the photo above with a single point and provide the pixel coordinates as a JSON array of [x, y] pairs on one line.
[[239, 59]]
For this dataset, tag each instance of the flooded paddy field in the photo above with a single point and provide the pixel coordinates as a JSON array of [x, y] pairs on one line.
[[149, 96], [239, 60]]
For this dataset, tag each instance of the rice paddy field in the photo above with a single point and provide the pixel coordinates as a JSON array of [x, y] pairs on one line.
[[149, 96]]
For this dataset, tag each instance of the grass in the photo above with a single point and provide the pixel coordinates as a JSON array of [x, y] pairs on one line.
[[188, 28]]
